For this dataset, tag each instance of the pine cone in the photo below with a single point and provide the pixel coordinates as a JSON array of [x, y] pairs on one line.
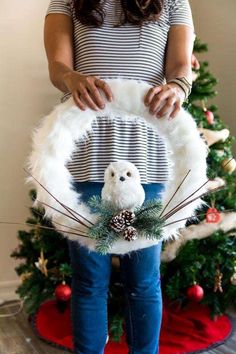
[[130, 233], [129, 217], [120, 221], [117, 223]]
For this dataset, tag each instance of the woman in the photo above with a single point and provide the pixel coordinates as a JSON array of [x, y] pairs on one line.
[[87, 42]]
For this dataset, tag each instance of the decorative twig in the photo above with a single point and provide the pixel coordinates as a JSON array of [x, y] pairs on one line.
[[41, 227], [54, 222], [154, 206], [74, 211], [173, 222], [70, 217], [189, 196], [168, 215], [175, 192], [192, 193], [62, 204]]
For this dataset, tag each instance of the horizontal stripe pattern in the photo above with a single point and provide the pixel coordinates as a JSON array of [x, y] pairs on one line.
[[145, 149], [129, 52]]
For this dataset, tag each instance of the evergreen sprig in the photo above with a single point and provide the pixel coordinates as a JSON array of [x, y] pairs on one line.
[[147, 219], [147, 222]]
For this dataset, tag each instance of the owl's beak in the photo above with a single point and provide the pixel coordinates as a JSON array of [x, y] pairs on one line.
[[122, 178]]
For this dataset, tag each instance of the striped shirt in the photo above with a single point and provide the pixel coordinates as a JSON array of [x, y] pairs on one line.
[[131, 52]]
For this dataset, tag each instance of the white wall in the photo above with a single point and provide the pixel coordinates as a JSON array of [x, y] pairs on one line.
[[215, 24], [27, 94]]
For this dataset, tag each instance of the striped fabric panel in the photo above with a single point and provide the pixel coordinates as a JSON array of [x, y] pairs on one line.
[[110, 140], [131, 52]]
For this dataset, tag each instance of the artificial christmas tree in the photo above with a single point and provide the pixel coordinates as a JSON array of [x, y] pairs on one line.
[[205, 254], [210, 243]]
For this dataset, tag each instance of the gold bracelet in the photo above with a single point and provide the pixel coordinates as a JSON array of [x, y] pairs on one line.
[[183, 87], [184, 84], [184, 79]]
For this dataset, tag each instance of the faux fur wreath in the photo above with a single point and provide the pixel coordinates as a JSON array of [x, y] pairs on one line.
[[54, 142]]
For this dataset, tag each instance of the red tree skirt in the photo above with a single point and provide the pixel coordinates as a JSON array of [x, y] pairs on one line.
[[185, 330]]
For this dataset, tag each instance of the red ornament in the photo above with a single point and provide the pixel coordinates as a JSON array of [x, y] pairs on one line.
[[195, 293], [63, 292], [213, 215], [209, 117]]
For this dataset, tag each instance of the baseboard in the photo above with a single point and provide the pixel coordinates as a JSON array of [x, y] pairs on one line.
[[8, 288]]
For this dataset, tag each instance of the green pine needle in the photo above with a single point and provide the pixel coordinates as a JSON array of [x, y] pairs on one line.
[[147, 222]]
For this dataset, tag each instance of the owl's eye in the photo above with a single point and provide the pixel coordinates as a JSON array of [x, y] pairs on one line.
[[128, 174], [112, 174]]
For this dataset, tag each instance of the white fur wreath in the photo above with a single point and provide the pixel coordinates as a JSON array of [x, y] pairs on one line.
[[54, 142]]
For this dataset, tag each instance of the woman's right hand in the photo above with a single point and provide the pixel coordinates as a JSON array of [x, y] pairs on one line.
[[85, 90]]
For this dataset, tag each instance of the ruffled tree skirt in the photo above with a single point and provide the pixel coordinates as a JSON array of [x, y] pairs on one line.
[[186, 330]]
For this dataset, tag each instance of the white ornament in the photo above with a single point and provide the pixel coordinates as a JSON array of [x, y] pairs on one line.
[[54, 141], [215, 183], [233, 277], [213, 136], [122, 185]]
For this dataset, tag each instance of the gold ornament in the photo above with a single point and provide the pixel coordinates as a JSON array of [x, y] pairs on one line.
[[25, 276], [229, 166], [42, 264], [218, 281]]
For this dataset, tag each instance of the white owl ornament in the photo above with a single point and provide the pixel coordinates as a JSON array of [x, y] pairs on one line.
[[122, 185]]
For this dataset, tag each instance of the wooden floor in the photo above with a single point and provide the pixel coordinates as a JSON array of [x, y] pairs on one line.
[[17, 337]]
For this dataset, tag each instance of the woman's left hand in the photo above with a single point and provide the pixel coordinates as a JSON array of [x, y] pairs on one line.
[[165, 99]]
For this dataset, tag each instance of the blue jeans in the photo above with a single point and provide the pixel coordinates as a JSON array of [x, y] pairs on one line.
[[140, 272]]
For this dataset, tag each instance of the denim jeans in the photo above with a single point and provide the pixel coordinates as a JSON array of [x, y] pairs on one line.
[[140, 272]]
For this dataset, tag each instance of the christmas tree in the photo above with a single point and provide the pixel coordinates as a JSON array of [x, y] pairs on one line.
[[206, 254], [200, 266]]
